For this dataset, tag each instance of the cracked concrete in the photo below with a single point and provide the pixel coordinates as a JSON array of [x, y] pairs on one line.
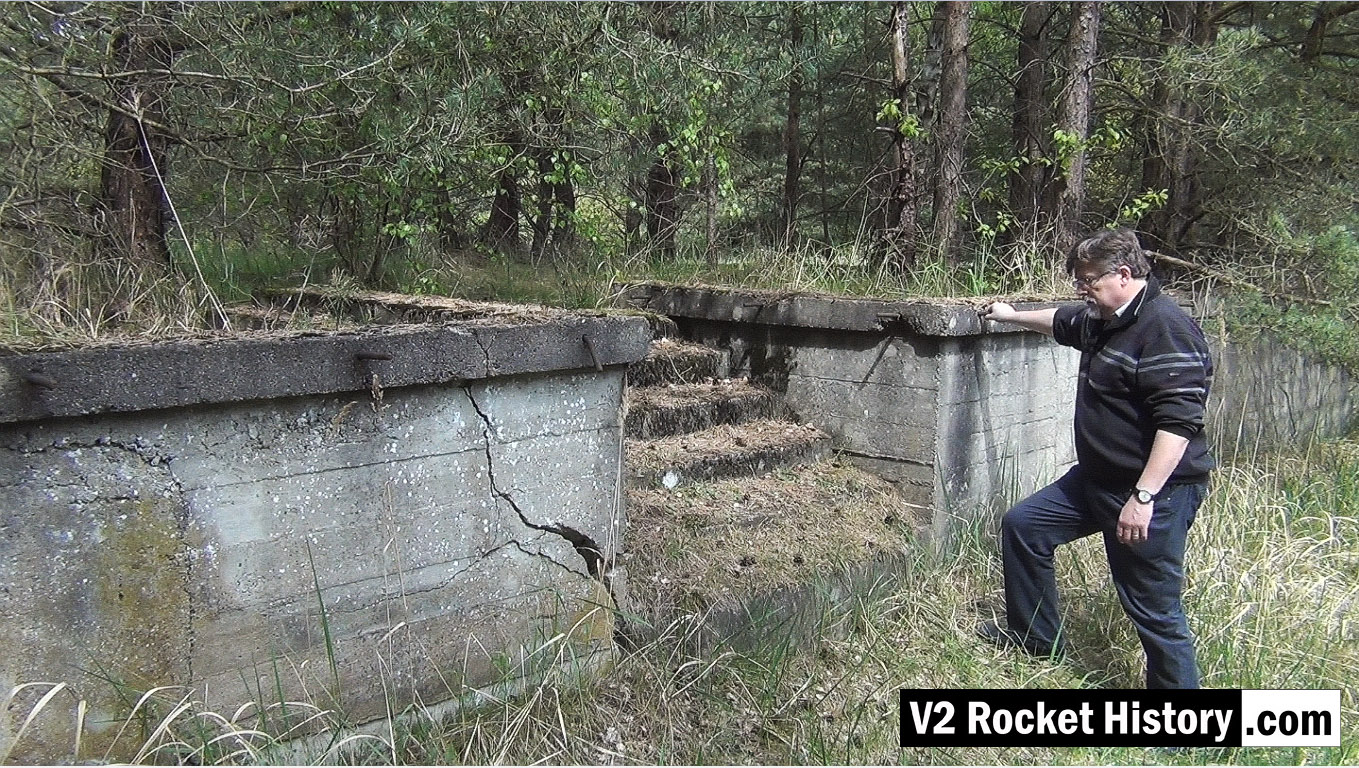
[[591, 553], [453, 531]]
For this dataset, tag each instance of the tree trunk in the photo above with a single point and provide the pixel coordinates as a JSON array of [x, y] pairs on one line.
[[132, 194], [1068, 193], [792, 134], [926, 84], [1028, 134], [564, 215], [822, 182], [502, 228], [901, 210], [1171, 160], [1316, 34], [710, 191], [951, 134], [542, 202], [660, 210]]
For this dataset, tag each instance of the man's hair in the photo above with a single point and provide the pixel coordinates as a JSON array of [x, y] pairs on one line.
[[1109, 249]]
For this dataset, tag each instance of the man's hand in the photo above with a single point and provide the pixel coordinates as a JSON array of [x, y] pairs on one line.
[[1134, 522], [1000, 312], [1034, 319]]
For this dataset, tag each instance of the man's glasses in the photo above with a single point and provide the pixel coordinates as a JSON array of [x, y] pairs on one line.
[[1087, 282]]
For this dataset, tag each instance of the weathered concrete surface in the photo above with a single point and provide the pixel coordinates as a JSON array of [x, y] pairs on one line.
[[355, 552], [806, 310], [961, 423], [125, 378], [1003, 424], [670, 361], [1266, 394], [662, 410]]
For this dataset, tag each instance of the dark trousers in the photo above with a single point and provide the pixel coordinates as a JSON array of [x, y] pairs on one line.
[[1149, 576]]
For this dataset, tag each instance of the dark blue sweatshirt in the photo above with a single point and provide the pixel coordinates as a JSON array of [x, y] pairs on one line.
[[1146, 370]]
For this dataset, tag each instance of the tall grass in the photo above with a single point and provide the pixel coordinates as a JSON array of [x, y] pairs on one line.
[[1272, 594], [89, 300]]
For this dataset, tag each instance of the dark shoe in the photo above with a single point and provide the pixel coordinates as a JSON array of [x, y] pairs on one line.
[[992, 632]]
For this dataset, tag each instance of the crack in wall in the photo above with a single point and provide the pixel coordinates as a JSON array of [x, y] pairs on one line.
[[298, 473], [403, 592], [588, 549], [485, 354]]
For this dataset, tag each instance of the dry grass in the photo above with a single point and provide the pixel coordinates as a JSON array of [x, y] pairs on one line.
[[698, 546]]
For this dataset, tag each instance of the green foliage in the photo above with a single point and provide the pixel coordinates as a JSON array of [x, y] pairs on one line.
[[1323, 265], [1140, 206], [371, 140], [1329, 333]]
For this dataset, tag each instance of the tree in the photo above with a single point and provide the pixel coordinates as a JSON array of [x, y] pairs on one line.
[[901, 211], [132, 189], [1171, 159], [792, 132], [1313, 45], [952, 126], [1067, 193], [1029, 135]]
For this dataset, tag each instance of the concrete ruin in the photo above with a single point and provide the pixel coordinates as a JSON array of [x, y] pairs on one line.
[[967, 415], [380, 519], [367, 521], [960, 416]]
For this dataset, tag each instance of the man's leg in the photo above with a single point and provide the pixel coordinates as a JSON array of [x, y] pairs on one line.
[[1029, 534], [1149, 578]]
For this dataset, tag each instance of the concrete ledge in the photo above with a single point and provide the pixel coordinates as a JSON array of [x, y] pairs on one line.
[[139, 377], [805, 310]]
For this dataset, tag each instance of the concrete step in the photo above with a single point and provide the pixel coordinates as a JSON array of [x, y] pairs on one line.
[[672, 409], [726, 450], [676, 362]]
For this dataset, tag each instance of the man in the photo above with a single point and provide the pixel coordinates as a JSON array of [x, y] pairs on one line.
[[1142, 458]]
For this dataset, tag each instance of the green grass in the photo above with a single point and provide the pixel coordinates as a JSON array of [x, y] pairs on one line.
[[1273, 583]]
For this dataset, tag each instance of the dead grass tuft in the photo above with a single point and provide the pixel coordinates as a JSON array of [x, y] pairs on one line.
[[701, 545]]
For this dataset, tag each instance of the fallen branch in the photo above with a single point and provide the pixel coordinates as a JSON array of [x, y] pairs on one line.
[[1223, 277]]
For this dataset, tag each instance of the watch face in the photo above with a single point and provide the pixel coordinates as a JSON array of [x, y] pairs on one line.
[[1144, 496]]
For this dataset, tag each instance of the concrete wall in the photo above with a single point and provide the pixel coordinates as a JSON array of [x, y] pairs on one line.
[[962, 424], [1004, 420], [1266, 394], [969, 416], [357, 547]]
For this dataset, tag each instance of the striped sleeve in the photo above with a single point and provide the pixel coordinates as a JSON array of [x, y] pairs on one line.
[[1175, 372]]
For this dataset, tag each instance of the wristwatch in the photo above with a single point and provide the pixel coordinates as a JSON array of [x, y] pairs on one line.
[[1143, 496]]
